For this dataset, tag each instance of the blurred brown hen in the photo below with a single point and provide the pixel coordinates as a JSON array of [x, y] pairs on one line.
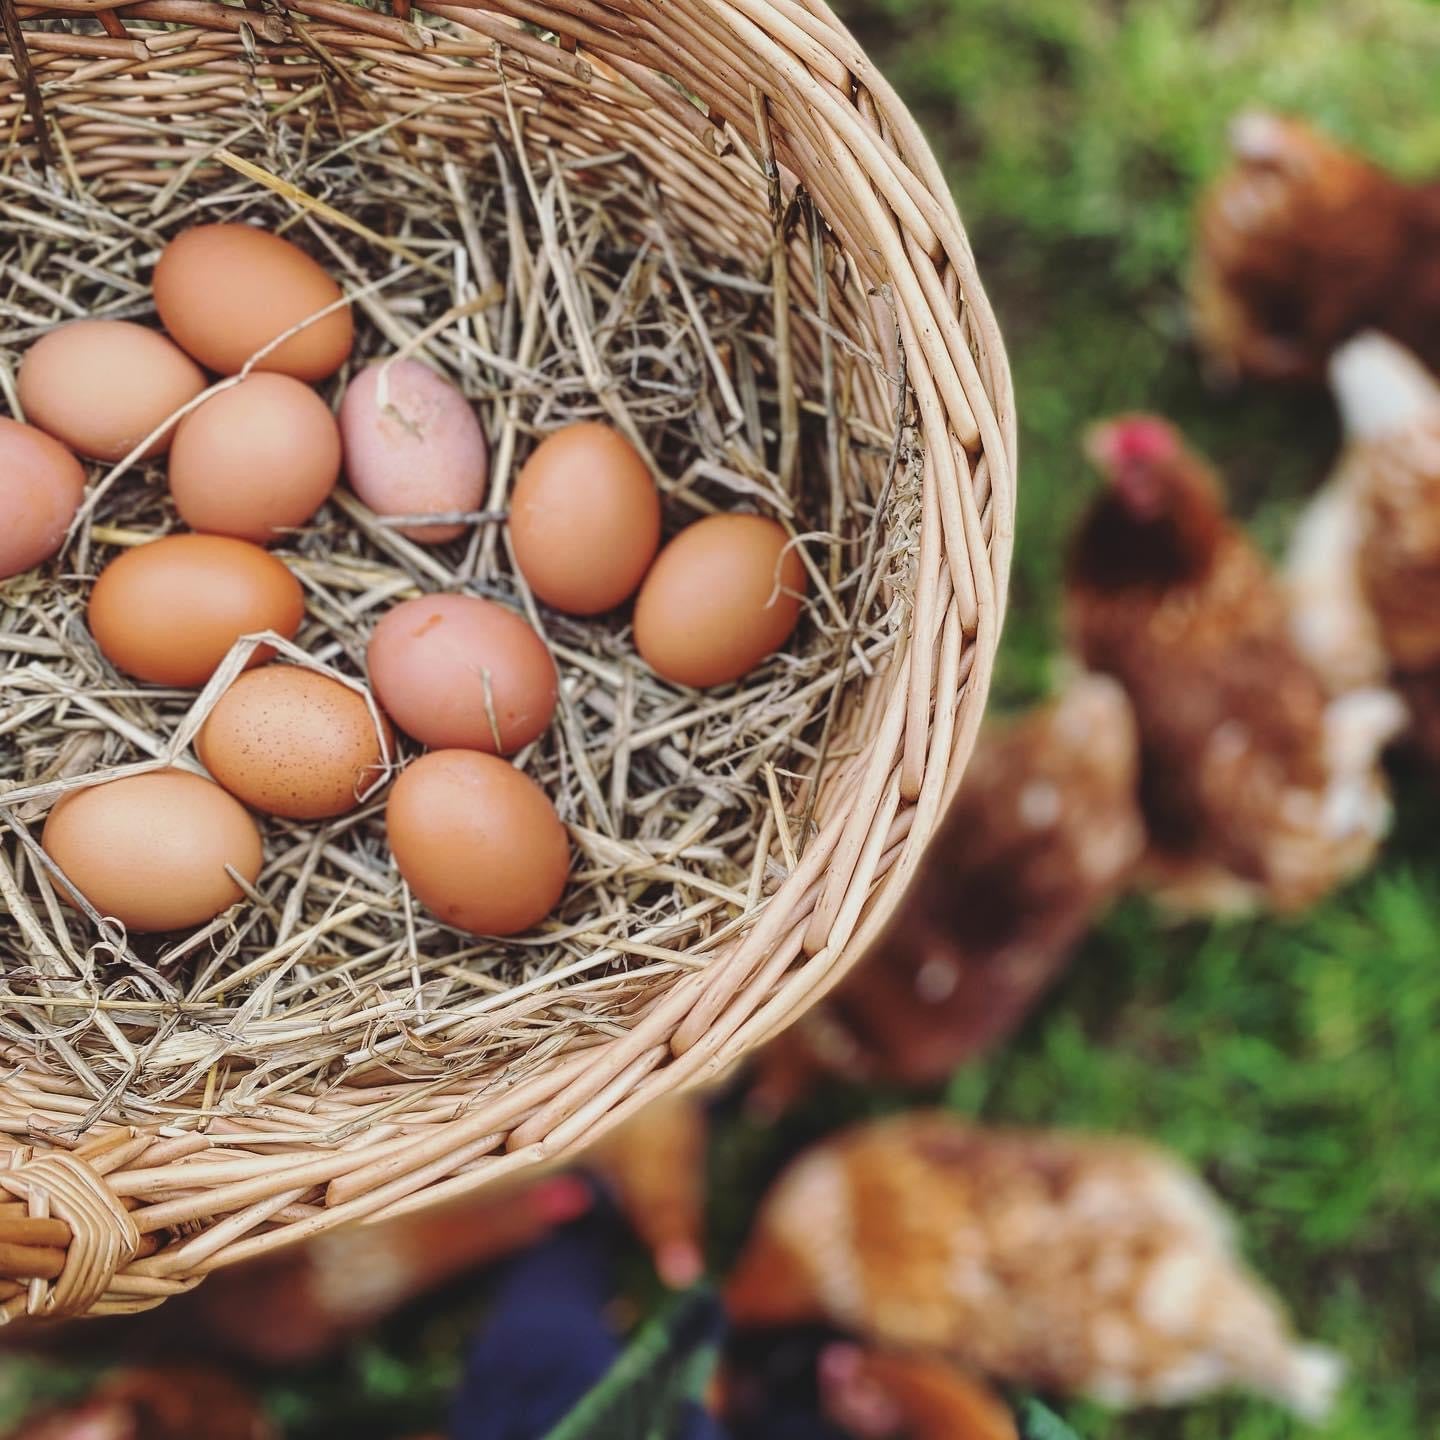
[[1390, 406], [1330, 615], [1256, 784], [655, 1164], [1301, 245], [1043, 833], [883, 1395], [299, 1305], [156, 1403], [1082, 1265]]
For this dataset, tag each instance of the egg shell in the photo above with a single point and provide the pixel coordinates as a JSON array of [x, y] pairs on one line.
[[169, 611], [584, 519], [294, 743], [723, 594], [224, 292], [254, 460], [479, 843], [102, 386], [151, 849], [413, 446], [442, 664], [41, 487]]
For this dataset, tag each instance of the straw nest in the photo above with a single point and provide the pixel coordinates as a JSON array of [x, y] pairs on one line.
[[603, 212]]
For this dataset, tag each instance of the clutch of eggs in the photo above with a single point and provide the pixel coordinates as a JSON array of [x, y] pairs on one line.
[[255, 457]]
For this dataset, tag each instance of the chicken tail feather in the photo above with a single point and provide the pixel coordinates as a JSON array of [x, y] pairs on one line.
[[1310, 1382], [1380, 387]]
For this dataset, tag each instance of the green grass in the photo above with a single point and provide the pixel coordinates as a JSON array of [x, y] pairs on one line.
[[1077, 134], [1296, 1064]]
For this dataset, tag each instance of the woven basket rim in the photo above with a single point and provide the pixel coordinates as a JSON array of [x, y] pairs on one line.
[[784, 89]]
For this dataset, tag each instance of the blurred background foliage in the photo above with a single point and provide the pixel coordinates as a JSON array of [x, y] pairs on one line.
[[1296, 1063], [1077, 135]]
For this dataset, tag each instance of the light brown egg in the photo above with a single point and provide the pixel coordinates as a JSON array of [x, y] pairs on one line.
[[584, 519], [41, 487], [256, 459], [226, 291], [413, 446], [479, 843], [723, 595], [102, 386], [151, 849], [169, 611], [455, 671], [294, 743]]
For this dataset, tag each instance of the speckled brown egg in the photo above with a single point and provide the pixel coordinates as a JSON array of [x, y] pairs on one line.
[[102, 386], [724, 594], [413, 447], [479, 843], [224, 292], [169, 611], [294, 743], [151, 850], [254, 460], [455, 671], [41, 487], [584, 519]]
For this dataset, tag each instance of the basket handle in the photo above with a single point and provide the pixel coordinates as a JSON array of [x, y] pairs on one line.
[[70, 1241]]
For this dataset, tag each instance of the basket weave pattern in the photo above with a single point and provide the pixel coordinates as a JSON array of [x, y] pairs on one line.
[[783, 97]]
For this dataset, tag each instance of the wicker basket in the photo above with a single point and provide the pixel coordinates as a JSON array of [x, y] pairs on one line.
[[730, 105]]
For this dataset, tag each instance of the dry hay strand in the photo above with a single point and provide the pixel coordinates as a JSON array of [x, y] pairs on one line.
[[550, 289]]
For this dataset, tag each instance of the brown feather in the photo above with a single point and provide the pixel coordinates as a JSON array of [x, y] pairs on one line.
[[1077, 1264], [1044, 832], [655, 1163], [1302, 244], [1238, 770]]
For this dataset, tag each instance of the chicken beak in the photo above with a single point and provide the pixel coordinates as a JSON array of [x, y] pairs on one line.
[[1100, 446], [1130, 473], [1258, 137]]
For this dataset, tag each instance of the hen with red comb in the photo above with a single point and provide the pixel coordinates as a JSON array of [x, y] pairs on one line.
[[1257, 786]]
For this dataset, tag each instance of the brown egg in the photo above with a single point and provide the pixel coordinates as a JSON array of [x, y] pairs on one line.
[[226, 291], [458, 671], [584, 520], [169, 611], [151, 849], [41, 487], [256, 459], [723, 595], [413, 446], [294, 743], [479, 844], [102, 386]]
